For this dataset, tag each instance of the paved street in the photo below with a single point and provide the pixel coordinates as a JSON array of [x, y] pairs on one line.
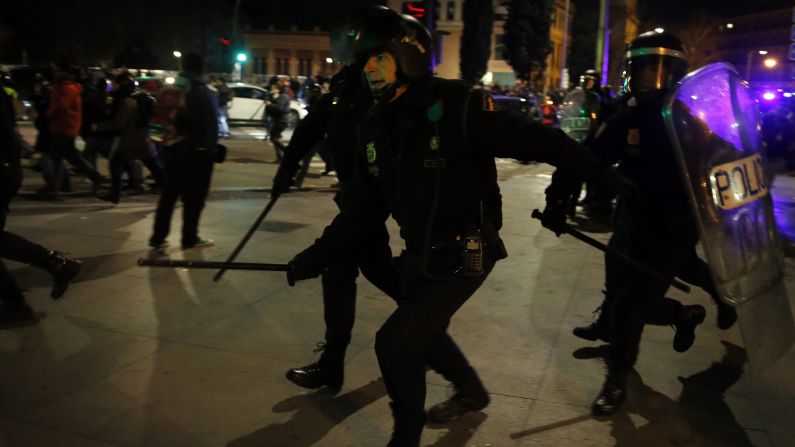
[[134, 356]]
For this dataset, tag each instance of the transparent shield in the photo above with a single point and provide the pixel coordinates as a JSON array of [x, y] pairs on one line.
[[715, 124], [574, 116]]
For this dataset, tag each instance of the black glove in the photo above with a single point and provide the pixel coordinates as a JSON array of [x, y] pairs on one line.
[[554, 216], [283, 179], [303, 266], [617, 182]]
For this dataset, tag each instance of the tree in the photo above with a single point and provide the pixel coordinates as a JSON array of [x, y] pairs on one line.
[[583, 38], [527, 43], [699, 36], [476, 39]]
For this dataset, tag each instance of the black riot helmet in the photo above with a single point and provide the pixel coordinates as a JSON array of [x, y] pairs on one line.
[[654, 61], [590, 80], [343, 36], [403, 36]]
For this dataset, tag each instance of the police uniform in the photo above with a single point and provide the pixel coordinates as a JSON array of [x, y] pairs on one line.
[[427, 159], [656, 228], [335, 118]]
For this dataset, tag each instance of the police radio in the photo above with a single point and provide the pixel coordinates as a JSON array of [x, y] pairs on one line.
[[472, 256]]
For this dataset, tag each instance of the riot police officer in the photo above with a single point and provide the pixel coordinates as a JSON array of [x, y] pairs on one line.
[[426, 156], [596, 107], [657, 228], [335, 117]]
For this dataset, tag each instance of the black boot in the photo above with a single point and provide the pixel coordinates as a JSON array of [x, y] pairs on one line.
[[473, 397], [598, 330], [688, 319], [13, 308], [613, 394], [727, 316], [327, 371], [407, 431], [62, 269]]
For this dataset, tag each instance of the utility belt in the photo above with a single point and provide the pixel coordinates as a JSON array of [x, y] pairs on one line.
[[469, 252]]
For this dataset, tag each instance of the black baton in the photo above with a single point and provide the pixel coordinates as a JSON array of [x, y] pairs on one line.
[[176, 263], [639, 266], [245, 239]]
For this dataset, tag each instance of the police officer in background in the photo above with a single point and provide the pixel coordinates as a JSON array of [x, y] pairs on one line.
[[335, 117], [597, 202], [657, 228], [426, 156]]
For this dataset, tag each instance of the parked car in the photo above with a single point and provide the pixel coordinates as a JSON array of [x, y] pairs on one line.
[[248, 105], [526, 105]]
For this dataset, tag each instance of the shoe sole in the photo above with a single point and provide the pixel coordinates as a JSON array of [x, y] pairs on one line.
[[295, 379]]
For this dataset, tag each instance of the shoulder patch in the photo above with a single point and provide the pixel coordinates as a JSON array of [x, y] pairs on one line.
[[489, 104], [434, 111]]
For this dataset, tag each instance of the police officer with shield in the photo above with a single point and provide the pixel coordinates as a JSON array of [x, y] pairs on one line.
[[656, 228], [426, 156], [335, 117]]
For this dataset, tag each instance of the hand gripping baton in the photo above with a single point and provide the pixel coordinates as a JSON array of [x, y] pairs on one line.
[[245, 239], [639, 266]]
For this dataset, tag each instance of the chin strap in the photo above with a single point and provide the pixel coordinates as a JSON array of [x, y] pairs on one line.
[[387, 93]]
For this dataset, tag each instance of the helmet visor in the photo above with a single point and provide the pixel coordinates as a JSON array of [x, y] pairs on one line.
[[654, 72]]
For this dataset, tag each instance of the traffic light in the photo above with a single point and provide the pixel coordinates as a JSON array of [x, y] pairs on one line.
[[425, 11], [225, 41], [415, 9], [241, 57]]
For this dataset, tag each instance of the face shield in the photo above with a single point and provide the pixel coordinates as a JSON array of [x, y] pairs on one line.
[[652, 69]]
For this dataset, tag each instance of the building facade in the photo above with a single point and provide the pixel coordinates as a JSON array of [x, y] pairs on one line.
[[450, 25], [292, 52], [296, 52]]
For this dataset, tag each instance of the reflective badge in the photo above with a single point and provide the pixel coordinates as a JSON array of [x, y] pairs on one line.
[[371, 152], [633, 137], [489, 105], [739, 182], [434, 143]]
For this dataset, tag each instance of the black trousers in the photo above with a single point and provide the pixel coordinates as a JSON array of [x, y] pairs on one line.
[[691, 269], [12, 246], [119, 163], [188, 172], [339, 289], [62, 147], [415, 335], [639, 300]]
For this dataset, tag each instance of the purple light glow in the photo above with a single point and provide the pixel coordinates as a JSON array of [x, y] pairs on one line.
[[709, 99]]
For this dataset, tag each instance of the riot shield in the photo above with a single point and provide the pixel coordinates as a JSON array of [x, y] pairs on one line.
[[714, 125], [579, 113]]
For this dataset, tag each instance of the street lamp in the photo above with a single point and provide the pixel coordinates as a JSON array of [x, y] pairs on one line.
[[177, 54], [749, 60], [770, 62], [240, 58]]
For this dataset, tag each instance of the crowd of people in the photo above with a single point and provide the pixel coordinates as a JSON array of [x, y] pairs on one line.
[[408, 145]]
